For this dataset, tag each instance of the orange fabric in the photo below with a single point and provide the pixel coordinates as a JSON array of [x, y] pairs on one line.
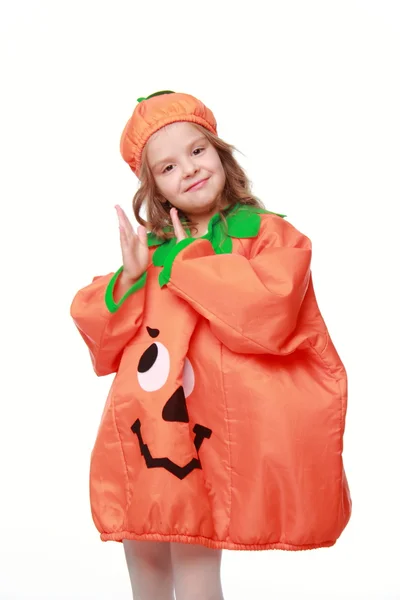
[[154, 113], [224, 423]]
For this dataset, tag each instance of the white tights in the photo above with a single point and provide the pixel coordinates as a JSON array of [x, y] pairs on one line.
[[157, 568]]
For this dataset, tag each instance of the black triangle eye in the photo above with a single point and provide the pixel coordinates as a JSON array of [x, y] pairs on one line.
[[148, 359]]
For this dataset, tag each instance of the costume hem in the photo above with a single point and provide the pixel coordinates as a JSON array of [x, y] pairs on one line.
[[210, 543]]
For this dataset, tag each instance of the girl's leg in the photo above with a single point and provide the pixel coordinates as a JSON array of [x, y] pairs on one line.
[[196, 572], [150, 569]]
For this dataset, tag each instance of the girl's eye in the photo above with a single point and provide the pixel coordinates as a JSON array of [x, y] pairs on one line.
[[168, 169]]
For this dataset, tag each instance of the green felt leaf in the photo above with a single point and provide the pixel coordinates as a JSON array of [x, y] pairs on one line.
[[221, 242], [161, 253], [244, 224]]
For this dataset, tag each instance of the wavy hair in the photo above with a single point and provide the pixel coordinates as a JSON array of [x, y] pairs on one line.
[[237, 189]]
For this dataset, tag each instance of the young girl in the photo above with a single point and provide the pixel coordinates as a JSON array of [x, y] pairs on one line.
[[224, 424]]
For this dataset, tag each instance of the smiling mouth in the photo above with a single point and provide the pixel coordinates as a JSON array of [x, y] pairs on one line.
[[201, 433], [197, 185]]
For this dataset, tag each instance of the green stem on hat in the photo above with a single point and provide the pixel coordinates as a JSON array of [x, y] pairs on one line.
[[156, 94]]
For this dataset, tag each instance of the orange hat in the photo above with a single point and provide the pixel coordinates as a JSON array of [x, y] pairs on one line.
[[153, 113]]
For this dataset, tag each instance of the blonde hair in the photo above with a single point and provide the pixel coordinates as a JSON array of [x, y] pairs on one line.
[[158, 220]]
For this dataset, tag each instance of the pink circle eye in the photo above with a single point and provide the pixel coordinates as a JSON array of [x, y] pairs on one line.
[[188, 378], [154, 367]]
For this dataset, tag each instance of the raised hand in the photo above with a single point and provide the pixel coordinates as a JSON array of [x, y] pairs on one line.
[[135, 251]]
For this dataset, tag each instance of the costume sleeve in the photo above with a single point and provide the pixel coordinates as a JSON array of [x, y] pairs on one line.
[[252, 303], [106, 326]]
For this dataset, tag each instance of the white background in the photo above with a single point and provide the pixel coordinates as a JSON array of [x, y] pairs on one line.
[[309, 92]]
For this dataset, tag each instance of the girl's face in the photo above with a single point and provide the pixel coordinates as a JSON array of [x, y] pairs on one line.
[[179, 155]]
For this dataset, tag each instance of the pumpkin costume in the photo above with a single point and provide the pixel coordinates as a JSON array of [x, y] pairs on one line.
[[224, 422]]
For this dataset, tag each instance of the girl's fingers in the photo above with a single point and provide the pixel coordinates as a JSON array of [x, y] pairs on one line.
[[122, 235], [124, 221], [142, 234], [119, 216], [180, 233]]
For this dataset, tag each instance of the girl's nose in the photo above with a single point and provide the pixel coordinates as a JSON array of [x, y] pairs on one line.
[[189, 168]]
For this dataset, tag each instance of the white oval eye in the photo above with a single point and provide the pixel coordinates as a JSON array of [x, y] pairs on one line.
[[153, 368], [188, 378]]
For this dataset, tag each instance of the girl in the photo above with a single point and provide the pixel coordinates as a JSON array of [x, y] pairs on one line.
[[224, 424]]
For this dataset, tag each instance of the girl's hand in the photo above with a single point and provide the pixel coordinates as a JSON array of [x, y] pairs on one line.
[[180, 233], [135, 251]]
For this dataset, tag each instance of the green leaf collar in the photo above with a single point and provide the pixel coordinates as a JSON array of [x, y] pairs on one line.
[[243, 222]]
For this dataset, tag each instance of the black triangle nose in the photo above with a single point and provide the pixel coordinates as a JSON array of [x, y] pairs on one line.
[[175, 409]]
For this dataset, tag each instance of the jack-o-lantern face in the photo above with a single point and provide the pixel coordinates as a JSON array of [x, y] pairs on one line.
[[152, 373]]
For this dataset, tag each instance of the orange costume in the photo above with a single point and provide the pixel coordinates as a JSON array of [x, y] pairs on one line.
[[224, 422]]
